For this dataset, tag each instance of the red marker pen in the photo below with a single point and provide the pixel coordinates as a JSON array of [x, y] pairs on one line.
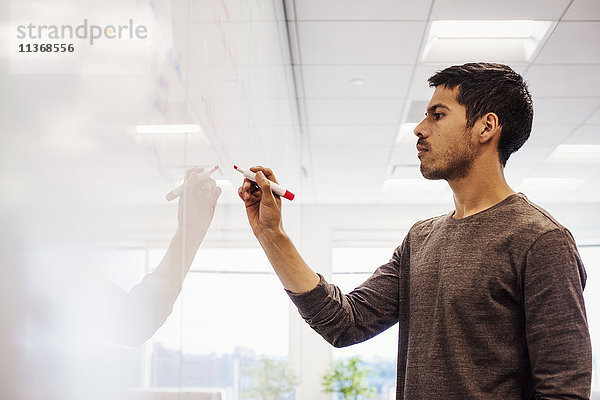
[[277, 189]]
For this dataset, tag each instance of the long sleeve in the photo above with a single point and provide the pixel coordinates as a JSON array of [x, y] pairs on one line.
[[557, 333], [346, 319]]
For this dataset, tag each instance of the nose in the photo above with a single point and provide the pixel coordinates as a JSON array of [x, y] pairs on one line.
[[419, 130]]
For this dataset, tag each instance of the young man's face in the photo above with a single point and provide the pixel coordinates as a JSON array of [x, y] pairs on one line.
[[446, 147]]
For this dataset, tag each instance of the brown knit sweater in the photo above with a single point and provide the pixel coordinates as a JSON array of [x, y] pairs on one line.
[[489, 307]]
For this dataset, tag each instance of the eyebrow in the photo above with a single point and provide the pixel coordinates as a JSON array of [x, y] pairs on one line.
[[431, 109]]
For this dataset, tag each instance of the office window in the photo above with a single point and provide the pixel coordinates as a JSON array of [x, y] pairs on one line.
[[232, 311], [351, 267]]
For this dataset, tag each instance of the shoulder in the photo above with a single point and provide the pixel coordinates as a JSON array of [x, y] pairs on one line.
[[532, 220], [525, 226]]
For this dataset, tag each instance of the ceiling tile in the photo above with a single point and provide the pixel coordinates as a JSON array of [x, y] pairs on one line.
[[338, 183], [333, 136], [564, 110], [416, 111], [492, 9], [544, 135], [345, 155], [547, 193], [380, 81], [515, 173], [585, 134], [564, 80], [404, 155], [554, 170], [588, 193], [357, 10], [529, 157], [594, 118], [583, 10], [572, 43], [360, 42], [433, 193], [420, 89], [348, 112]]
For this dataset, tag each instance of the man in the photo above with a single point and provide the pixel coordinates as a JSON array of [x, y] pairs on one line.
[[488, 297]]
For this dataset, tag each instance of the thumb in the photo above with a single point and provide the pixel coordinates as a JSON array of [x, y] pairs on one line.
[[265, 187]]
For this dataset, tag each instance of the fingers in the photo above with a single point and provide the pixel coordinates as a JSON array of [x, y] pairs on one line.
[[249, 192], [267, 171], [263, 183]]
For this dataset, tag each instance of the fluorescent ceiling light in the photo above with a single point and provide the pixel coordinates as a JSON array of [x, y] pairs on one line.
[[578, 148], [167, 129], [575, 154], [487, 40]]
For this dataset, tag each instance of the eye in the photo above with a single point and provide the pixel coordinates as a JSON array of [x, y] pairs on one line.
[[437, 116]]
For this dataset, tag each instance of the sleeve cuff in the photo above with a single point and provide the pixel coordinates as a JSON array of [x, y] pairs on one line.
[[310, 302]]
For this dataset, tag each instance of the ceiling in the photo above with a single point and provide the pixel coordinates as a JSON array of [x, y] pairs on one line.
[[316, 90], [348, 135]]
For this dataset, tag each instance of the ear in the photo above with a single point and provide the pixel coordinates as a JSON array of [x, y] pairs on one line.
[[489, 127]]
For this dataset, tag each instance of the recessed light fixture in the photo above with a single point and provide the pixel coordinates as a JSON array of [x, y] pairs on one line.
[[356, 82], [487, 40], [167, 129]]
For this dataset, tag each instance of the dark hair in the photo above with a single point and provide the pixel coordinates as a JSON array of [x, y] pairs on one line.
[[486, 87]]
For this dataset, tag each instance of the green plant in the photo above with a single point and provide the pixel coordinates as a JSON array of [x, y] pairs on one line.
[[348, 378], [271, 380]]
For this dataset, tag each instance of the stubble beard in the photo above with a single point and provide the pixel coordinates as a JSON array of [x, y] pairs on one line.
[[459, 164]]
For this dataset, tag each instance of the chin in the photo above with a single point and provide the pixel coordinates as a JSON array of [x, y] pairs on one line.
[[429, 174]]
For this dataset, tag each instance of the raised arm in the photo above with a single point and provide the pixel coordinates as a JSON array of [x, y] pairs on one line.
[[263, 208], [342, 319]]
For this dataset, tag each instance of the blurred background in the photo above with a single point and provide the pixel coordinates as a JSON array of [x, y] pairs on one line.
[[324, 93]]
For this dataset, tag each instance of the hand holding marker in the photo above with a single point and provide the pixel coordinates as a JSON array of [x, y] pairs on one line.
[[275, 188]]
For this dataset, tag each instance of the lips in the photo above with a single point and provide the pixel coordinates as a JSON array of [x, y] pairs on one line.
[[421, 150]]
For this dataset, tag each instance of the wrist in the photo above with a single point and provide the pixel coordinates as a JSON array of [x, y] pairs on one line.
[[271, 235]]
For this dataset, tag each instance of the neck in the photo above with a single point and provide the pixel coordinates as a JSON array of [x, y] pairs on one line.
[[484, 187]]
